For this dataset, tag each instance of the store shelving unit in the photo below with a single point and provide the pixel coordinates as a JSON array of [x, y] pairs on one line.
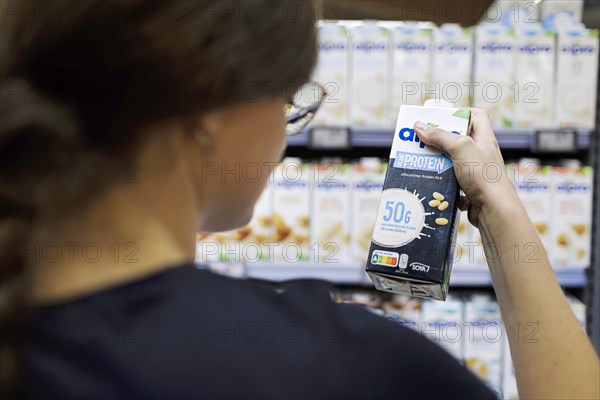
[[508, 138], [593, 286], [351, 273], [462, 275]]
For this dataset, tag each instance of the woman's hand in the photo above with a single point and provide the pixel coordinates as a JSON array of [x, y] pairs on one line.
[[478, 163], [562, 363]]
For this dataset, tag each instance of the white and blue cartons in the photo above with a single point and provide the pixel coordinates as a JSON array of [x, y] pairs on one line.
[[413, 239]]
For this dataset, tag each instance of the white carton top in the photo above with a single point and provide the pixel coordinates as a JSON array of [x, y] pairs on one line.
[[435, 114], [370, 162], [450, 29], [438, 103]]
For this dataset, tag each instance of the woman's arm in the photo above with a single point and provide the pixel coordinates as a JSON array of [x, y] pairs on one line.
[[557, 360]]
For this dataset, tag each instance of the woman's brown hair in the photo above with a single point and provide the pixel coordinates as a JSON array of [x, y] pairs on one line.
[[80, 79]]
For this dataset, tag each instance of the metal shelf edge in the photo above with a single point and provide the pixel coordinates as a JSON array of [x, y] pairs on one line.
[[508, 138], [461, 276]]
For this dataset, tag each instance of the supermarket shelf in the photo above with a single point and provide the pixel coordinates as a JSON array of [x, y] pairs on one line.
[[353, 274], [480, 277], [298, 140], [349, 274], [522, 138], [508, 138]]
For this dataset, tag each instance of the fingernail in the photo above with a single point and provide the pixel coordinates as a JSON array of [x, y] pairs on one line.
[[420, 126]]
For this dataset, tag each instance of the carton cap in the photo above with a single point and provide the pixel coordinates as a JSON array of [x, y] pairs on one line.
[[530, 29], [450, 28], [530, 161], [331, 160], [491, 29], [480, 298], [573, 29], [370, 162], [350, 23], [292, 160]]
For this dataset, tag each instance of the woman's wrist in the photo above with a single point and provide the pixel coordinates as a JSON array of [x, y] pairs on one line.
[[500, 210]]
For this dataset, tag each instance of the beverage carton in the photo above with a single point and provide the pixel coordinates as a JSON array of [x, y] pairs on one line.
[[494, 72], [291, 211], [367, 299], [412, 243], [370, 74], [330, 228], [483, 341], [442, 323], [576, 77], [536, 49], [411, 62], [533, 183], [451, 64], [333, 72], [512, 13], [509, 381], [475, 248], [246, 244], [207, 248], [217, 247], [404, 310], [559, 13], [579, 310], [462, 256], [254, 237], [572, 212], [367, 183]]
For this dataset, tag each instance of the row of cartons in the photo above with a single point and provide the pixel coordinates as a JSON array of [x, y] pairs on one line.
[[558, 200], [525, 76], [470, 329], [309, 212], [325, 212]]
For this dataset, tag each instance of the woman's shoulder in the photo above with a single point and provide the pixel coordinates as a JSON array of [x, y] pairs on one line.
[[188, 332]]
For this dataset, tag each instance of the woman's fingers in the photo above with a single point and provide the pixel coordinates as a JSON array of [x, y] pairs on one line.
[[482, 131], [456, 146], [468, 159]]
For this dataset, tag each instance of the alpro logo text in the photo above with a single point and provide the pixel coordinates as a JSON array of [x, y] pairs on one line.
[[576, 49], [328, 47], [291, 184], [408, 135], [367, 185], [368, 47], [410, 47], [573, 188], [453, 47], [493, 47], [331, 185], [533, 187], [532, 48]]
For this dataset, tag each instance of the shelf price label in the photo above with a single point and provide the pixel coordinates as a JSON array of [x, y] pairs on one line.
[[555, 141], [327, 137]]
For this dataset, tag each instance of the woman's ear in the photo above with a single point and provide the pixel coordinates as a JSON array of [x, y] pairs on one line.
[[211, 122], [208, 129]]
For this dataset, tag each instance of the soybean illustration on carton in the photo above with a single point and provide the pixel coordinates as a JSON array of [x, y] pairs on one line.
[[413, 240]]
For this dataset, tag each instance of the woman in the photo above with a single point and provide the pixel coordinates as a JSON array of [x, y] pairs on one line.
[[114, 114]]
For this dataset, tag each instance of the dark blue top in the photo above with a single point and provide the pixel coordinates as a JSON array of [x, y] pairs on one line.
[[189, 333]]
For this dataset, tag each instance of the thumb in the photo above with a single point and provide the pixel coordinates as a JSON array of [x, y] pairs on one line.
[[449, 143]]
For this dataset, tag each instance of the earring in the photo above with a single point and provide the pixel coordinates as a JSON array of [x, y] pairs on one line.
[[204, 139]]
